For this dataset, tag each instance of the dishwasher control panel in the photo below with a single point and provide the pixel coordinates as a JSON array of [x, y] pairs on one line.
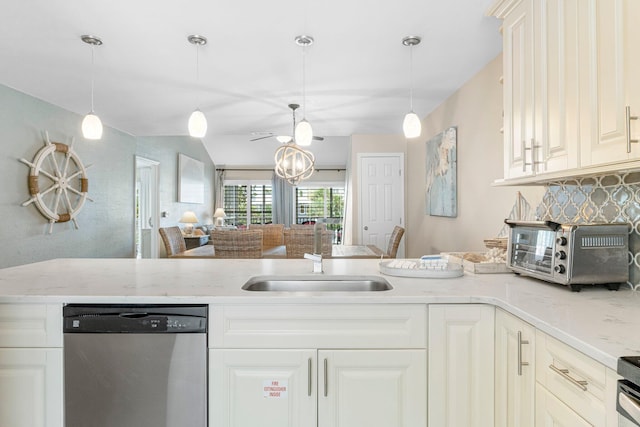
[[134, 319]]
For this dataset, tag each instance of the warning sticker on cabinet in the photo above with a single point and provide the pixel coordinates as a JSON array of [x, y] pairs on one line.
[[274, 389]]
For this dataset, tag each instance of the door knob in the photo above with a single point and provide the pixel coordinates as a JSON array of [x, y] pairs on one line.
[[366, 228]]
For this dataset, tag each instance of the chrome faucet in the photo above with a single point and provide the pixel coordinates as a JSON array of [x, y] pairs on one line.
[[317, 237], [317, 262], [316, 257]]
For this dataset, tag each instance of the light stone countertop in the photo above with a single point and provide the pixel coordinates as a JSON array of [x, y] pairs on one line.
[[600, 323]]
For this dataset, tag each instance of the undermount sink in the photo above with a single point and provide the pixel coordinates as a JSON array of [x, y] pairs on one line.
[[317, 283]]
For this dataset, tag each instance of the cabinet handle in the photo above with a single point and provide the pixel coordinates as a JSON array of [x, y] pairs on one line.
[[564, 373], [326, 378], [520, 362], [629, 117], [309, 378], [533, 150]]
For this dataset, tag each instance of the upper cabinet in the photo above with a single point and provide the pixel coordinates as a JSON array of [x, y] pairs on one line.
[[567, 84], [518, 80], [611, 85]]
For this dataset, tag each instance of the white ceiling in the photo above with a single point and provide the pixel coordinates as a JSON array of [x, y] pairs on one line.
[[145, 72]]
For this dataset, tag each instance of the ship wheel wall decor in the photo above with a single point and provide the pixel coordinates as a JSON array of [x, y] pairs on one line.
[[58, 182]]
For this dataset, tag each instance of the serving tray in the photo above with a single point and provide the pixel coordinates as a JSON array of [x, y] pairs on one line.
[[476, 262], [432, 267]]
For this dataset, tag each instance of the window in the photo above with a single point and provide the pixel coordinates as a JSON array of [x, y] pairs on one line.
[[251, 203], [313, 203], [243, 202]]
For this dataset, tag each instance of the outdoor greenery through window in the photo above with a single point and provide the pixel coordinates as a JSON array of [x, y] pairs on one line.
[[247, 204], [252, 204], [313, 203]]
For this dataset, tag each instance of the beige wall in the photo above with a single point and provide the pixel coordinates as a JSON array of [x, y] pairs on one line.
[[476, 110]]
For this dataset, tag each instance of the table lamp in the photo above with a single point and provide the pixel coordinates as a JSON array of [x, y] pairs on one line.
[[219, 215], [188, 218]]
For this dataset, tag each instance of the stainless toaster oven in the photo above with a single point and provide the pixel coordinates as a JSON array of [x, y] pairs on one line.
[[569, 254]]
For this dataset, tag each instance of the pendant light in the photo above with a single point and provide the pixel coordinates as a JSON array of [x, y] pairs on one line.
[[411, 126], [91, 124], [303, 132], [293, 163], [197, 120]]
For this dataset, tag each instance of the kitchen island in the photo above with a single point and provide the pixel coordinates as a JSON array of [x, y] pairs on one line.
[[600, 323], [596, 322]]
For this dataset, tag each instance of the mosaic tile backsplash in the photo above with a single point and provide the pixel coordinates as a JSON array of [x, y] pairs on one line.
[[607, 198]]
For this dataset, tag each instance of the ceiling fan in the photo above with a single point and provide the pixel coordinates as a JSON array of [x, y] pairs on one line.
[[287, 138]]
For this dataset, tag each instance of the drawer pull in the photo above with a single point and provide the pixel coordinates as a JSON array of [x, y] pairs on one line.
[[326, 378], [564, 373], [521, 342], [309, 389]]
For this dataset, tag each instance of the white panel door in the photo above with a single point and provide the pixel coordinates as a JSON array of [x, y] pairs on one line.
[[147, 208], [31, 390], [266, 388], [461, 351], [515, 372], [381, 197], [372, 388]]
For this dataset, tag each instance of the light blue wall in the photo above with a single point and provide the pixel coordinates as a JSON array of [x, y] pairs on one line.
[[165, 150], [105, 225]]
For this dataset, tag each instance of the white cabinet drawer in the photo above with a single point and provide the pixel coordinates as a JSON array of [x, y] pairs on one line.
[[318, 326], [577, 380], [30, 325]]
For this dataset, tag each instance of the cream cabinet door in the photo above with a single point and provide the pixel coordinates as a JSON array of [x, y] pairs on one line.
[[519, 90], [372, 388], [612, 64], [31, 387], [266, 388], [556, 83], [515, 372], [461, 365], [551, 412]]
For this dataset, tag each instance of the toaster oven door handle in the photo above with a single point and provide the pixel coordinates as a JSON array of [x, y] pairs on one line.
[[631, 405], [549, 224]]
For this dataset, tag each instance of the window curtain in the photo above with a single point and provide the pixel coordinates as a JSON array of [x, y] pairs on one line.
[[218, 190], [282, 200]]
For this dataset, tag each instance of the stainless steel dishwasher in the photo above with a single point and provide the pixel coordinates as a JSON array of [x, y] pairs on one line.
[[135, 365]]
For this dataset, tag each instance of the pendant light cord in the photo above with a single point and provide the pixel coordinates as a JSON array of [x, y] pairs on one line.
[[304, 82], [411, 78], [92, 74], [198, 71]]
